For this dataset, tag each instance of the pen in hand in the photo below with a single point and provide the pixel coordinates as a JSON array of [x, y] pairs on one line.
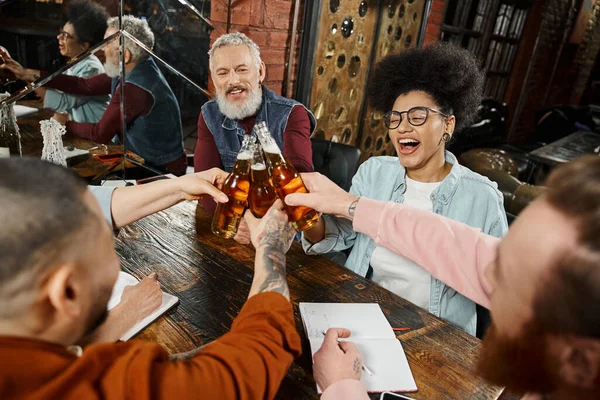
[[364, 367]]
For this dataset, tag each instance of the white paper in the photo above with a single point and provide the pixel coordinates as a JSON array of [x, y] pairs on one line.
[[4, 152], [74, 153], [381, 352], [21, 111], [125, 279]]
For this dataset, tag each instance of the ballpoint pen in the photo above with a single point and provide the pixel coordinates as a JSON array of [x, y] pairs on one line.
[[364, 367]]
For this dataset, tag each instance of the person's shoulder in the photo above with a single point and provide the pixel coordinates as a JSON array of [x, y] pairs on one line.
[[478, 184], [380, 171], [90, 66], [382, 162], [210, 105]]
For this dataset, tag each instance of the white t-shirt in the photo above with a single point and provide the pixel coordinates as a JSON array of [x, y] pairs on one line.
[[397, 273]]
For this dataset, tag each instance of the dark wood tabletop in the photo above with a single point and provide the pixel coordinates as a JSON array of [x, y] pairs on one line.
[[32, 144], [568, 148], [212, 278]]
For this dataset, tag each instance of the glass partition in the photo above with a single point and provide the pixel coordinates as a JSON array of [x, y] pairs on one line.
[[165, 61], [137, 109]]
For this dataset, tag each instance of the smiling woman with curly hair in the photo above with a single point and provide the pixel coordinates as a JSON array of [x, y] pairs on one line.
[[425, 94]]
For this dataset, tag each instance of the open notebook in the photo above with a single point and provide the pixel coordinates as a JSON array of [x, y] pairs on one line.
[[125, 279], [381, 352]]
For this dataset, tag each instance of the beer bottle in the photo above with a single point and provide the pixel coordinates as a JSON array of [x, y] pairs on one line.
[[228, 215], [285, 179], [262, 193], [10, 140]]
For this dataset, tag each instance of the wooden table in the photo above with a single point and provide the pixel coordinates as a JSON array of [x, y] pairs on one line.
[[32, 144], [212, 278], [567, 149]]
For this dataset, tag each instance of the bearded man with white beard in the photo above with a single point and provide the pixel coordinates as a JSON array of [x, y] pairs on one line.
[[242, 100], [152, 113]]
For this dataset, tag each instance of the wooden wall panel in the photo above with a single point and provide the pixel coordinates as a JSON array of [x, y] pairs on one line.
[[399, 29], [341, 60]]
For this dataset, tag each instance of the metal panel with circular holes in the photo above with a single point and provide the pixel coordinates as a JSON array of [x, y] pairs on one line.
[[342, 40], [341, 60]]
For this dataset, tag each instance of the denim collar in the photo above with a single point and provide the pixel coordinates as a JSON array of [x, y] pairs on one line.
[[447, 187], [262, 115]]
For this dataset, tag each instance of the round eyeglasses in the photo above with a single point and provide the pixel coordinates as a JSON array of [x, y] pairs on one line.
[[416, 116], [65, 35]]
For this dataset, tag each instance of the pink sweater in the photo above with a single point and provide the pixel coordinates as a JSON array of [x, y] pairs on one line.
[[451, 251]]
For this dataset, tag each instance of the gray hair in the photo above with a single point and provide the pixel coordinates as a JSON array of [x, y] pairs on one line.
[[235, 39], [139, 29]]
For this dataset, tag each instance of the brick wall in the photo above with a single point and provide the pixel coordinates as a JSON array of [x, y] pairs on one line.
[[434, 22], [268, 23]]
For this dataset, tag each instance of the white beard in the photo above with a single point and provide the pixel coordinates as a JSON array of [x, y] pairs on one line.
[[112, 70], [249, 108]]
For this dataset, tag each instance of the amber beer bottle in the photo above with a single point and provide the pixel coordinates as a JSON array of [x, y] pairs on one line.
[[228, 215], [285, 179], [262, 193]]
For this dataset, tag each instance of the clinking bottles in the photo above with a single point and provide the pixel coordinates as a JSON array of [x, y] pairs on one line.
[[285, 179], [262, 193], [228, 215]]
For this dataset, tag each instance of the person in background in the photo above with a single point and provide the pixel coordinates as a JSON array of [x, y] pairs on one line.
[[152, 113], [242, 100], [541, 282], [87, 22], [57, 272], [426, 94]]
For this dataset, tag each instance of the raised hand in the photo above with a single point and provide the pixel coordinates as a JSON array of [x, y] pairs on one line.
[[202, 184], [25, 74], [325, 196]]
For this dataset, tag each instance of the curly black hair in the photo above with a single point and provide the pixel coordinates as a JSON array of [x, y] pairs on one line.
[[89, 19], [446, 72]]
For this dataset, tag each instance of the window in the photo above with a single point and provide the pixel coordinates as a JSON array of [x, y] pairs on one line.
[[492, 30]]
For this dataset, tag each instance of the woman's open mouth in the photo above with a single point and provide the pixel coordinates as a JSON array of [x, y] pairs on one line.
[[408, 146]]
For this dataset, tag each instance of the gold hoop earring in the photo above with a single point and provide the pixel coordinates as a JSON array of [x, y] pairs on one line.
[[446, 137]]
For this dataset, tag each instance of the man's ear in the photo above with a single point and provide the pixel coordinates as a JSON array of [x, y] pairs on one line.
[[127, 56], [580, 362], [64, 294], [262, 72]]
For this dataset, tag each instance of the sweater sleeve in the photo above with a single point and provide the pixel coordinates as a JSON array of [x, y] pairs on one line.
[[206, 156], [93, 86], [451, 251], [249, 362], [138, 102], [346, 389], [297, 147]]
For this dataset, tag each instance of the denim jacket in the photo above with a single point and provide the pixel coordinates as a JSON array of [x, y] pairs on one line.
[[274, 110], [157, 136], [463, 195]]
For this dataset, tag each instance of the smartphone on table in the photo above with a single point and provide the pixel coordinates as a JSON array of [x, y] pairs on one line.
[[394, 396]]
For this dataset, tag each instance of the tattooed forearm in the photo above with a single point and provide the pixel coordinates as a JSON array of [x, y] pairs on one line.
[[187, 355], [277, 233], [270, 274]]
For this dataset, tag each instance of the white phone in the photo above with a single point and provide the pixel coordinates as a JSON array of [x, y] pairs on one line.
[[393, 396]]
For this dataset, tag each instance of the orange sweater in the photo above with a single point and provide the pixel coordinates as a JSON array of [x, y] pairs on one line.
[[249, 362]]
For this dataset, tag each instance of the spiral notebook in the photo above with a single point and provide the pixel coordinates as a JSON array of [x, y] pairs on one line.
[[381, 352], [125, 279]]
